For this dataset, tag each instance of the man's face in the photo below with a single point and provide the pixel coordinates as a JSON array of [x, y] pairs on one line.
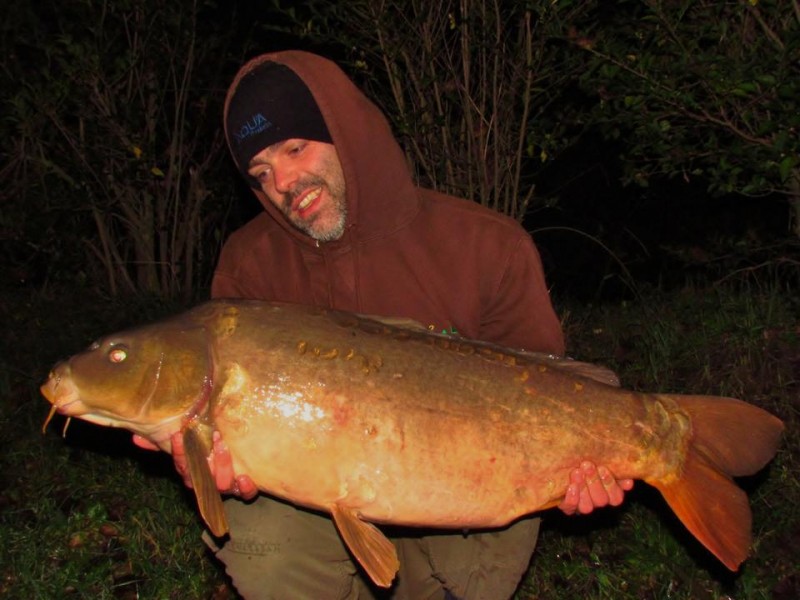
[[304, 179]]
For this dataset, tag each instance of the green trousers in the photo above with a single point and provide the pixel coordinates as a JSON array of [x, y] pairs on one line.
[[278, 552]]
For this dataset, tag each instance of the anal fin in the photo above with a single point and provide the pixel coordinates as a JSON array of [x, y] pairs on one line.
[[209, 500], [373, 550]]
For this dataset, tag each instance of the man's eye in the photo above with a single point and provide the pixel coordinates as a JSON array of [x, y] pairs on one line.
[[262, 175], [297, 149]]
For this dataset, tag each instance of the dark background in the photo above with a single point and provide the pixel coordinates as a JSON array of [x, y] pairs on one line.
[[602, 237]]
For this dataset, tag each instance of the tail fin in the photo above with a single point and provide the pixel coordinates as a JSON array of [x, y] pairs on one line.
[[730, 438]]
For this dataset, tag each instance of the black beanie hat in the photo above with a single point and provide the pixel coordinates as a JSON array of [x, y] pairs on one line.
[[271, 104]]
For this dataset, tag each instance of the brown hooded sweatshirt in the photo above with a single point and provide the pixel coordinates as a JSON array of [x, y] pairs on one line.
[[406, 251]]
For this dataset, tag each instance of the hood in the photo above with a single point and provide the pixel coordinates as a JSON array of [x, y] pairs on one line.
[[381, 196]]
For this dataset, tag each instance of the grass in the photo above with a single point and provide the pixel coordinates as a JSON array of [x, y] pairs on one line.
[[90, 516], [97, 527]]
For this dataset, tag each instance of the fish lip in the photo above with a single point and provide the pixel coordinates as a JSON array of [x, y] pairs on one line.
[[62, 395], [70, 406], [63, 408]]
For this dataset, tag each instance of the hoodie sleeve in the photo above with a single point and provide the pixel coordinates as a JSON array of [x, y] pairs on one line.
[[519, 312]]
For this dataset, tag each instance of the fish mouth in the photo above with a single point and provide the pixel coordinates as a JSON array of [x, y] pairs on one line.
[[63, 395]]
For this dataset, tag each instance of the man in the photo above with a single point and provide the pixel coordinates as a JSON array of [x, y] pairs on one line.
[[345, 227]]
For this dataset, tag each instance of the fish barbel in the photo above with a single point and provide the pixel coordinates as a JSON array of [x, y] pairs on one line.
[[382, 422]]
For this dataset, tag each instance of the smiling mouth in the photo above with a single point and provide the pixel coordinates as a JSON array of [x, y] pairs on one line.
[[308, 199]]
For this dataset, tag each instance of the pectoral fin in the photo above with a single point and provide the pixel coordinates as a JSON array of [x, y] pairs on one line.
[[209, 500], [372, 549]]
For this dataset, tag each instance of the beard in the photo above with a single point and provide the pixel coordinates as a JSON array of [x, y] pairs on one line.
[[327, 223]]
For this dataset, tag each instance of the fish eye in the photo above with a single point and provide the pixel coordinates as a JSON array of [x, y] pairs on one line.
[[117, 354]]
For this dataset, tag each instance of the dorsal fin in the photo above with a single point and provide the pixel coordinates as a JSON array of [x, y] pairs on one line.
[[398, 323], [583, 369]]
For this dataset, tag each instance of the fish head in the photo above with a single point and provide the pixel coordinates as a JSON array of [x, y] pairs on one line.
[[149, 380]]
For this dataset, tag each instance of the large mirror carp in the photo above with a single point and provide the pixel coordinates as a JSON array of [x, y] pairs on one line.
[[381, 422]]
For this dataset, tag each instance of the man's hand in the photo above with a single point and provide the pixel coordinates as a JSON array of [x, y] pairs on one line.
[[593, 487], [219, 462]]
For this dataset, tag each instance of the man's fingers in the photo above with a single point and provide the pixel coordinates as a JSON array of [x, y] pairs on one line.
[[222, 466], [247, 489], [598, 495], [177, 445], [593, 487], [144, 443], [623, 485], [179, 458], [569, 504], [219, 461], [615, 489]]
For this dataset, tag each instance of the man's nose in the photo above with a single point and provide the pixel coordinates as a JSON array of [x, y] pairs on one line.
[[284, 178]]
